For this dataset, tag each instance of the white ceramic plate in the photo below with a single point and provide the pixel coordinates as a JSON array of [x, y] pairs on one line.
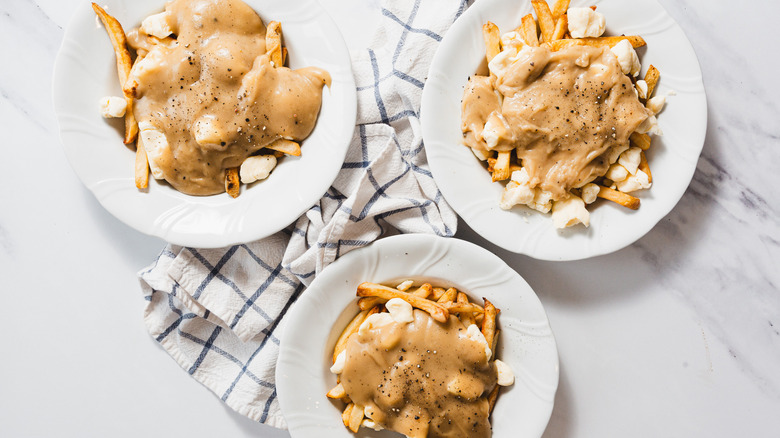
[[85, 71], [468, 187], [320, 314]]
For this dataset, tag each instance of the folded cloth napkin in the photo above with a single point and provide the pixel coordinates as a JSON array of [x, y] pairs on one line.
[[219, 312]]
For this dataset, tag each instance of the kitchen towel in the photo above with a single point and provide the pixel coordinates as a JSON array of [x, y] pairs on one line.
[[219, 312]]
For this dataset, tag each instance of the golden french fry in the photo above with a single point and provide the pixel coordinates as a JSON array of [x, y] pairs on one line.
[[528, 30], [492, 398], [351, 328], [492, 39], [635, 40], [559, 8], [284, 55], [651, 77], [617, 197], [437, 293], [436, 311], [141, 165], [489, 323], [644, 166], [642, 141], [495, 340], [501, 167], [466, 317], [338, 392], [355, 418], [288, 147], [123, 65], [561, 25], [423, 291], [366, 303], [456, 307], [545, 18], [449, 295], [345, 416], [273, 42], [232, 183]]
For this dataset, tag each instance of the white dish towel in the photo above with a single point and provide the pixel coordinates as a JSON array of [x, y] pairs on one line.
[[220, 312]]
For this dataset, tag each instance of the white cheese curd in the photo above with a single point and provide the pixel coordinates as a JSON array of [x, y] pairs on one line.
[[641, 86], [627, 57], [207, 131], [515, 194], [585, 22], [590, 192], [400, 310], [505, 375], [481, 154], [256, 168], [113, 106], [635, 182], [473, 332], [338, 365], [157, 25], [630, 160], [656, 104], [569, 212], [616, 173], [496, 129], [405, 285], [542, 201], [650, 125], [371, 424], [374, 321], [155, 143], [614, 154]]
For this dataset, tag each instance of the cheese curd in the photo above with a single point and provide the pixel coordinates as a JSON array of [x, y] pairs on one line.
[[585, 22], [627, 57], [570, 211], [113, 106], [256, 168]]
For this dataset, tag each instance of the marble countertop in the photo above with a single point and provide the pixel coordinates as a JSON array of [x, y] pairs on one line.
[[676, 335]]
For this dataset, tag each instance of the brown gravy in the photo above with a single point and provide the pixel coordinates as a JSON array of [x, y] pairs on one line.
[[215, 78], [404, 374], [564, 111]]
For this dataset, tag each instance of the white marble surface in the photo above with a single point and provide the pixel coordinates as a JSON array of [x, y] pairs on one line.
[[677, 335]]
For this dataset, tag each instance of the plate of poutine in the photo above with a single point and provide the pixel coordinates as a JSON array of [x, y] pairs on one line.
[[357, 296], [489, 167], [291, 167]]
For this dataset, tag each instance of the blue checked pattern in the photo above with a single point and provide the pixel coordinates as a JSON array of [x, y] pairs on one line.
[[219, 312]]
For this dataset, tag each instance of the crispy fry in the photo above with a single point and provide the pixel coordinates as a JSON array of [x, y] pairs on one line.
[[449, 295], [651, 77], [423, 291], [489, 323], [492, 40], [501, 168], [642, 141], [345, 416], [456, 307], [141, 165], [561, 25], [284, 55], [352, 327], [338, 392], [466, 317], [355, 418], [495, 340], [232, 183], [492, 398], [528, 30], [123, 65], [437, 293], [559, 8], [436, 311], [635, 40], [545, 18], [617, 197], [288, 147], [644, 166], [273, 42], [366, 303]]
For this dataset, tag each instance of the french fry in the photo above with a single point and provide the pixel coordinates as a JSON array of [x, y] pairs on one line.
[[338, 392], [273, 43], [141, 165], [232, 182], [436, 311], [617, 197], [528, 30], [492, 399], [437, 293], [611, 41], [356, 417], [492, 39], [495, 340], [123, 65], [545, 18], [501, 168], [366, 303], [345, 416], [457, 307], [449, 295], [644, 166], [288, 147], [423, 291], [466, 317], [642, 141], [559, 8], [489, 323], [651, 77], [351, 328], [284, 55], [561, 25]]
